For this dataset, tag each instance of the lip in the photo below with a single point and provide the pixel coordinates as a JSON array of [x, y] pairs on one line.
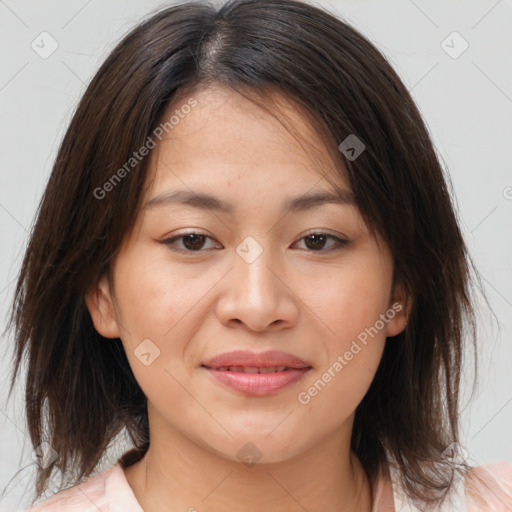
[[259, 359], [257, 384]]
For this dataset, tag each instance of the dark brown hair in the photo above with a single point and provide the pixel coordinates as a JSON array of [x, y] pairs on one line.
[[80, 392]]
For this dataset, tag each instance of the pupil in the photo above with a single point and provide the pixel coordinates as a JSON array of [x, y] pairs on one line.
[[315, 245], [195, 239]]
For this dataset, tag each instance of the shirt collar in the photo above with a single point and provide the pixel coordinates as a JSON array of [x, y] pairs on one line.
[[119, 494]]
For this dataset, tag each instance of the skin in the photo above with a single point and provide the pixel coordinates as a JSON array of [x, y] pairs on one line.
[[196, 305]]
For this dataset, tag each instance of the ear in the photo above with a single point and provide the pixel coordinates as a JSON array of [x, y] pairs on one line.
[[398, 310], [101, 308]]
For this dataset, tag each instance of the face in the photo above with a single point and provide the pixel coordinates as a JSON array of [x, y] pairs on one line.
[[194, 281]]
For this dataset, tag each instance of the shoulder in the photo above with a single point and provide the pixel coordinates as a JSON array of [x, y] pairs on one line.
[[489, 487], [86, 497], [484, 488]]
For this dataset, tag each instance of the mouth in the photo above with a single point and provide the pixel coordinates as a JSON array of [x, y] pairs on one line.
[[251, 369], [257, 373], [256, 381], [271, 361]]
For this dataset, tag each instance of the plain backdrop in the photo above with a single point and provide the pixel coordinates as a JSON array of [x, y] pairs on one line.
[[464, 94]]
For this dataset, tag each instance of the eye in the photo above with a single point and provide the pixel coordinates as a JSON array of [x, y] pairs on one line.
[[192, 242], [316, 242], [195, 242]]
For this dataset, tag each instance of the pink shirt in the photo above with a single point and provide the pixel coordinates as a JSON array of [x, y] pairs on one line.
[[109, 491]]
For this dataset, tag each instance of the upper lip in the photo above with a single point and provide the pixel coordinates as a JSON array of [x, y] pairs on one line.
[[247, 358]]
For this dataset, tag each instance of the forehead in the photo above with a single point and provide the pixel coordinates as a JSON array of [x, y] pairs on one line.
[[225, 138]]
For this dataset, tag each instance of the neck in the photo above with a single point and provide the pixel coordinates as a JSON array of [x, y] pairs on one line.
[[176, 475]]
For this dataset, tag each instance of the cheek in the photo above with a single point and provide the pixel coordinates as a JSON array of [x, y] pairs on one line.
[[350, 308], [338, 386], [165, 304], [153, 296], [351, 297], [150, 307]]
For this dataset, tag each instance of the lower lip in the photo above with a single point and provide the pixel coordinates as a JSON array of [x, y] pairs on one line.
[[258, 384]]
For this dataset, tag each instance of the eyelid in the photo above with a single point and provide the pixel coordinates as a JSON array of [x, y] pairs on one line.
[[340, 241], [193, 231], [320, 231]]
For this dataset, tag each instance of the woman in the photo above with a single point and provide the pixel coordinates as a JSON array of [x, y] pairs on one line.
[[247, 257]]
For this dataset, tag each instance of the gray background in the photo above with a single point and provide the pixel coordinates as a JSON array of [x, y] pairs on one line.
[[466, 102]]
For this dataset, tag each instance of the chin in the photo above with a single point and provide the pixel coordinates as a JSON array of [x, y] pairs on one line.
[[256, 449]]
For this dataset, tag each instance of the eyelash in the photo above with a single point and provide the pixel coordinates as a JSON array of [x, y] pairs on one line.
[[340, 242]]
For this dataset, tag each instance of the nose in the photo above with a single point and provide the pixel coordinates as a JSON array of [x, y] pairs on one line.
[[257, 293]]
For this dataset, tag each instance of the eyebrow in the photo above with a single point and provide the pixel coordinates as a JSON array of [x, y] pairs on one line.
[[205, 201]]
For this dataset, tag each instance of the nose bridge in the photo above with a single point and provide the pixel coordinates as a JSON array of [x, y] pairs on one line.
[[252, 273]]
